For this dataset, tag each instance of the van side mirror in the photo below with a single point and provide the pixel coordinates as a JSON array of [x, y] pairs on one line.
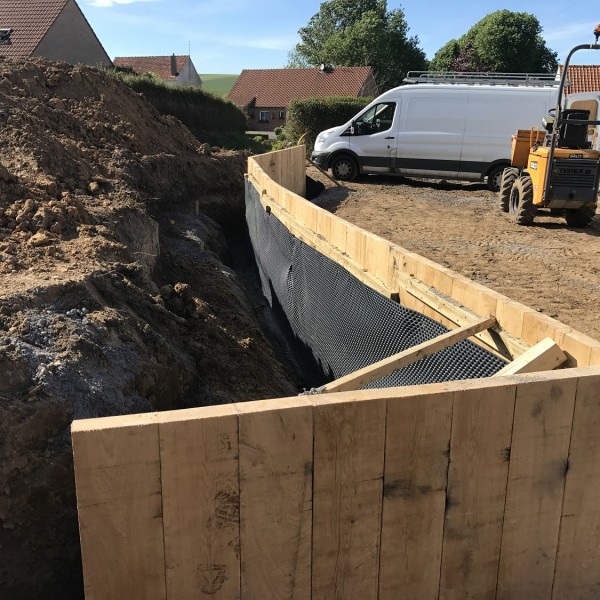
[[353, 128]]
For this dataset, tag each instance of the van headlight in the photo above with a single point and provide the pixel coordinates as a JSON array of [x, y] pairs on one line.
[[323, 136]]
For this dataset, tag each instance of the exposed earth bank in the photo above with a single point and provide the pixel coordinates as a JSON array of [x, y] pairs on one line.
[[115, 294]]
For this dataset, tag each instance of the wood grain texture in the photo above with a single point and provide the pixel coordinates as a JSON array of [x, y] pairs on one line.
[[577, 575], [536, 481], [477, 476], [117, 472], [275, 502], [348, 482], [200, 482], [544, 356], [414, 498]]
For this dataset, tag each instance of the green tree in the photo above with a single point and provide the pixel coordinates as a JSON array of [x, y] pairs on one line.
[[354, 33], [503, 41]]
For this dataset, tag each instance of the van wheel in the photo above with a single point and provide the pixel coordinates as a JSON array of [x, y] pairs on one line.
[[580, 217], [507, 180], [494, 178], [521, 208], [344, 167]]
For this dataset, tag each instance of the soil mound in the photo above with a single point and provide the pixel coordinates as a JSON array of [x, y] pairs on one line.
[[115, 296]]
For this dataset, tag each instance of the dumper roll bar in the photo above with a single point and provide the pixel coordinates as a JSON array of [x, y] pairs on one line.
[[558, 120]]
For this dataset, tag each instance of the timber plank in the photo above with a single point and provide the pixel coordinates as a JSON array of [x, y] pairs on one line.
[[199, 460], [544, 356], [578, 347], [117, 472], [500, 342], [537, 326], [414, 496], [480, 442], [388, 365], [339, 234], [348, 484], [510, 316], [577, 574], [275, 458], [324, 219], [536, 480], [376, 257]]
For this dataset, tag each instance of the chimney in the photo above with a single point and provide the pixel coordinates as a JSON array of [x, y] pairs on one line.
[[174, 66]]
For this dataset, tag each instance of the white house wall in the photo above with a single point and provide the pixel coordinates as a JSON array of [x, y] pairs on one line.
[[72, 39], [189, 75]]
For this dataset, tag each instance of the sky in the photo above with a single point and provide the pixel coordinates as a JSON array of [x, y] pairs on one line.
[[226, 36]]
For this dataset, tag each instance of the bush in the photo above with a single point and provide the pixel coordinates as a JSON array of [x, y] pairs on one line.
[[202, 113], [313, 115]]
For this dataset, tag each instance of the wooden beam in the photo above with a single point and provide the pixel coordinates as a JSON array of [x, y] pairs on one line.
[[314, 164], [407, 357], [544, 356], [498, 340]]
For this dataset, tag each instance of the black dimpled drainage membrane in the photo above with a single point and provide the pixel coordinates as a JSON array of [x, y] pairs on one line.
[[346, 324]]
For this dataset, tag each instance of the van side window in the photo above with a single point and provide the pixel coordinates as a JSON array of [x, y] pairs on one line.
[[378, 118]]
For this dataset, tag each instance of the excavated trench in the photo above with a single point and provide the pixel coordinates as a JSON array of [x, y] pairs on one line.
[[115, 294], [116, 231], [345, 324]]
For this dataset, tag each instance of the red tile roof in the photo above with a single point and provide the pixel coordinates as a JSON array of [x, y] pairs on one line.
[[159, 65], [30, 21], [277, 87], [582, 78]]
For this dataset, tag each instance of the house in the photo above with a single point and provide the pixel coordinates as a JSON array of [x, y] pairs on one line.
[[582, 78], [265, 93], [55, 29], [173, 70]]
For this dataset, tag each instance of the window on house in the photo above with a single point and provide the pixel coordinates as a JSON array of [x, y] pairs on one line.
[[263, 116], [282, 114]]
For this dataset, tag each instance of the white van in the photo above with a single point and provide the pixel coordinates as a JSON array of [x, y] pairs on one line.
[[447, 126]]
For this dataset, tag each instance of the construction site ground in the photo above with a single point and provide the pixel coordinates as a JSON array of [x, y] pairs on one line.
[[119, 292], [548, 266]]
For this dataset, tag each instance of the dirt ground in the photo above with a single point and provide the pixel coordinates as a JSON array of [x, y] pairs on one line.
[[550, 267], [115, 293]]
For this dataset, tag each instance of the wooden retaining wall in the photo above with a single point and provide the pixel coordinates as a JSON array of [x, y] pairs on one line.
[[484, 489], [420, 284], [479, 489]]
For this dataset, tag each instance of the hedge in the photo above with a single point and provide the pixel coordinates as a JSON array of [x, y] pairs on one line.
[[313, 115], [202, 112]]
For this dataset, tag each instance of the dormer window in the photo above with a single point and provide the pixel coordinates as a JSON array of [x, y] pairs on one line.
[[5, 35]]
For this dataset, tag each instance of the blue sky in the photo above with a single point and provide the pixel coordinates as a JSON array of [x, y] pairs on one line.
[[226, 36]]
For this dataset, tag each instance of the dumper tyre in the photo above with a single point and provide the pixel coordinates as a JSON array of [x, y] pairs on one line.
[[580, 217], [344, 167], [494, 178], [521, 208], [509, 176]]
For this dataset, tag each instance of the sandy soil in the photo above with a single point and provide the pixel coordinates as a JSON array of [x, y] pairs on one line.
[[549, 266], [115, 293]]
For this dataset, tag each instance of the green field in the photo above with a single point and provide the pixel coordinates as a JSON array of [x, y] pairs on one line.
[[218, 84]]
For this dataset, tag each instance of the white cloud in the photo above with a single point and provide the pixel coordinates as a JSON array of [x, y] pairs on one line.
[[581, 31], [284, 42], [111, 3]]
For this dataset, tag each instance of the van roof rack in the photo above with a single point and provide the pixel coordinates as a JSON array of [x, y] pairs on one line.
[[516, 79]]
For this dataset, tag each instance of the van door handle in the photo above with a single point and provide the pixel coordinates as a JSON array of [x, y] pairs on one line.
[[389, 138]]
